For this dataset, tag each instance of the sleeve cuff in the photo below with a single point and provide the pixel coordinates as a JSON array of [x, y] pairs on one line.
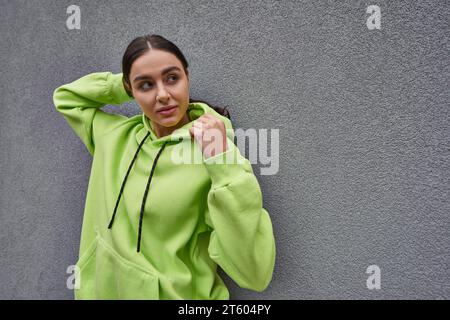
[[224, 167], [117, 89]]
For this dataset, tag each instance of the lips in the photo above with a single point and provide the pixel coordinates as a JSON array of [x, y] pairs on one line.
[[166, 108]]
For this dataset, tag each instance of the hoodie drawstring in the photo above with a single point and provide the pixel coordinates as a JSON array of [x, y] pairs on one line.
[[141, 216], [145, 195]]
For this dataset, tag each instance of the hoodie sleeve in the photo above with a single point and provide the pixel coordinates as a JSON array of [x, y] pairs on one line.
[[80, 102], [242, 241]]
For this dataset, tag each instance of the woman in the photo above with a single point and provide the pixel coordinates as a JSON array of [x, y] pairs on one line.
[[155, 228]]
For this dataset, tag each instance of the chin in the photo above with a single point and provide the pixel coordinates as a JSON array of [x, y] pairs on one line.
[[170, 122]]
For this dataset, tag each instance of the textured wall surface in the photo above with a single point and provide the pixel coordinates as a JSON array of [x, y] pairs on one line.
[[363, 117]]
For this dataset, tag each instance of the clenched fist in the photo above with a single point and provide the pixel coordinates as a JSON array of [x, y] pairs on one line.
[[210, 134]]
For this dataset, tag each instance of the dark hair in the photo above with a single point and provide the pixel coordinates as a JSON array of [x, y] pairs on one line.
[[141, 45]]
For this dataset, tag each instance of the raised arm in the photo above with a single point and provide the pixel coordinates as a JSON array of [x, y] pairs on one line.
[[80, 102]]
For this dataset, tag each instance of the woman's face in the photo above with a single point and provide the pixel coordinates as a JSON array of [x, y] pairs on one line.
[[158, 80]]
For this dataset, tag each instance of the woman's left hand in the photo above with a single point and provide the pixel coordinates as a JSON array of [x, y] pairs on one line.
[[210, 134]]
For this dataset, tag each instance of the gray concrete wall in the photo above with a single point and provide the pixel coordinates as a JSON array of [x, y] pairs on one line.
[[363, 117]]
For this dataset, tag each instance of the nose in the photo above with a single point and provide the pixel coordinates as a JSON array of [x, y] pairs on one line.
[[163, 94]]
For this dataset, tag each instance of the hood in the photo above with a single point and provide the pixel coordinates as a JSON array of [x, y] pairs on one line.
[[195, 110]]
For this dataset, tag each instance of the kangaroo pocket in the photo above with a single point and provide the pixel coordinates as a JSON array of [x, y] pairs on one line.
[[104, 274]]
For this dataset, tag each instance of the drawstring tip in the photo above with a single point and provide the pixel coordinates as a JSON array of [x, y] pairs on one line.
[[111, 222]]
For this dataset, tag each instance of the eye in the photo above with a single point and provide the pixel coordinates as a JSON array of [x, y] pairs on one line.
[[142, 85], [173, 76]]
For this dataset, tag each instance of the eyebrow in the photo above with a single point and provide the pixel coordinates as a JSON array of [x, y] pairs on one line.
[[168, 69]]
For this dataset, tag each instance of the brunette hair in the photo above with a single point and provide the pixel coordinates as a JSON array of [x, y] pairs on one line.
[[141, 45]]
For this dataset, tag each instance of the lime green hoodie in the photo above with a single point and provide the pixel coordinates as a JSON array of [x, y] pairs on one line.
[[154, 228]]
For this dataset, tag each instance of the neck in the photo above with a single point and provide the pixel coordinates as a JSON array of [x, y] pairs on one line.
[[162, 131]]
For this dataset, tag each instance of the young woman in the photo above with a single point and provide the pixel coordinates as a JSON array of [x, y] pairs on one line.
[[155, 227]]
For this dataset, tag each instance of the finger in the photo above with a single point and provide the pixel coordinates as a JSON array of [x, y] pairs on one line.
[[205, 120], [199, 125], [202, 120], [212, 117], [197, 130]]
